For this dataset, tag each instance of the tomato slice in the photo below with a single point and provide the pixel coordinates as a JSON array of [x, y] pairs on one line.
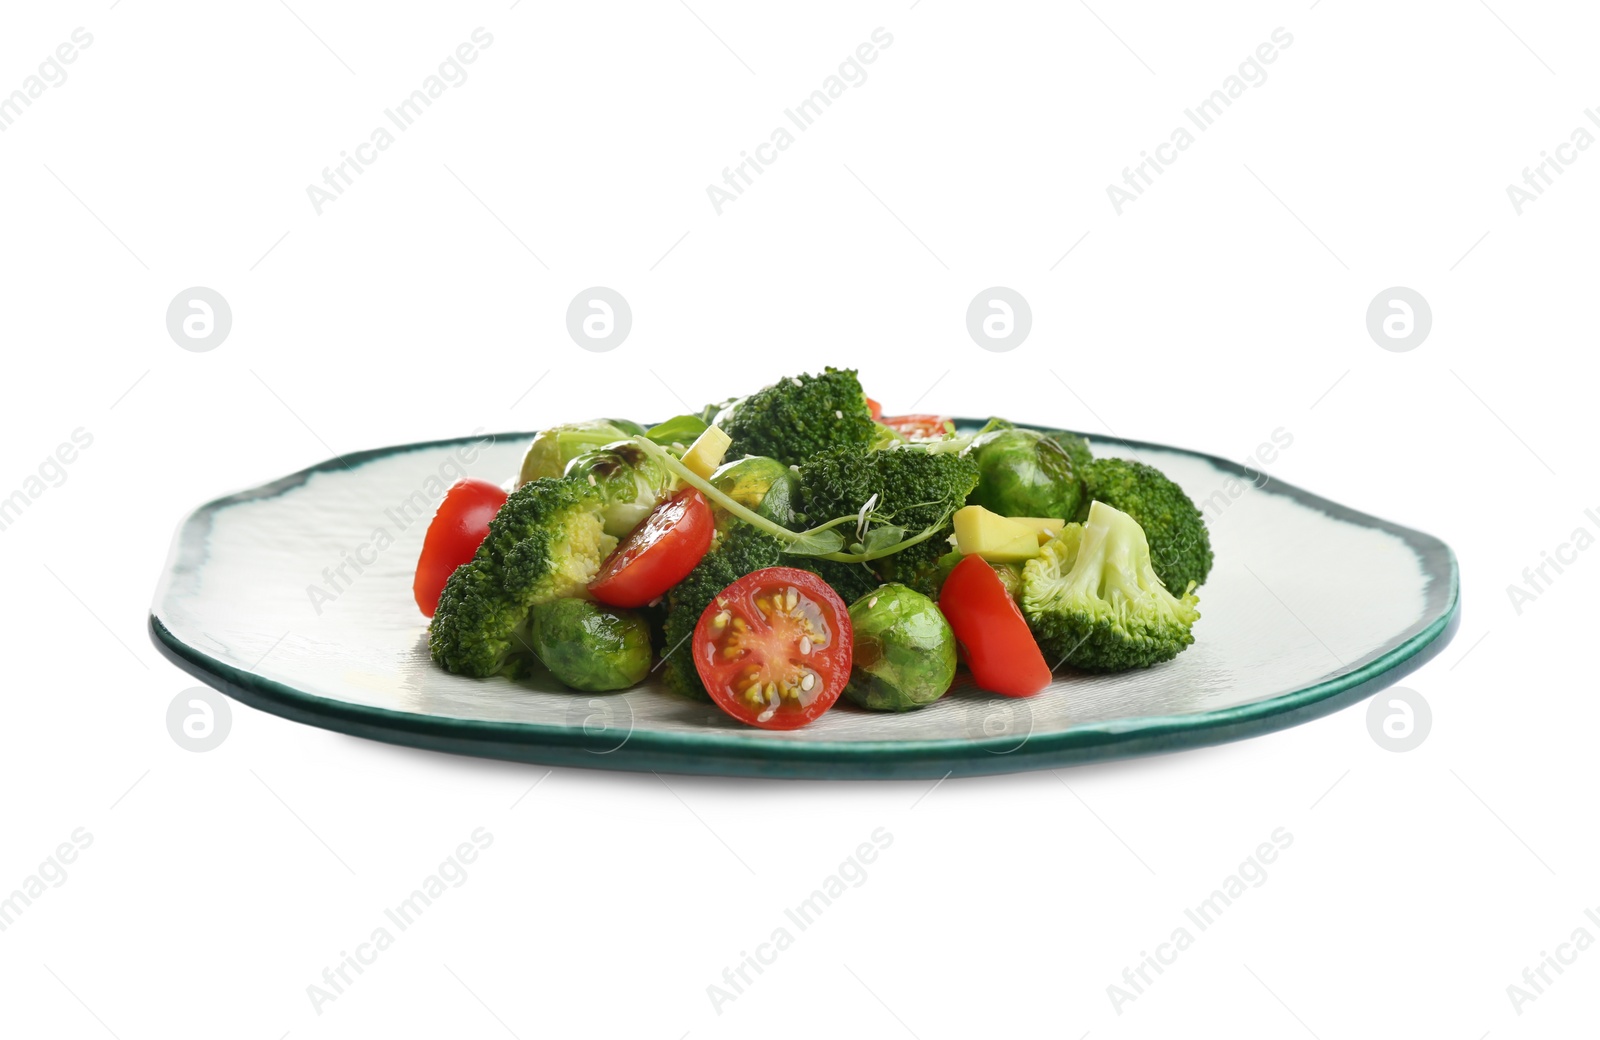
[[458, 528], [775, 648], [875, 408], [657, 554], [919, 427], [1000, 651]]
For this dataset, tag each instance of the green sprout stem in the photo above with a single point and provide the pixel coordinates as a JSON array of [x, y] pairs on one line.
[[821, 541]]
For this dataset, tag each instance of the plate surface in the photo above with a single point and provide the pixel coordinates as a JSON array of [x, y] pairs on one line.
[[295, 598]]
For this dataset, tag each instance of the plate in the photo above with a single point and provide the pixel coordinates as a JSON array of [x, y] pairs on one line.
[[295, 598]]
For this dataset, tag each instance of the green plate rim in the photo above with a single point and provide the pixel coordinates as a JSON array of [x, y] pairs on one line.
[[748, 753]]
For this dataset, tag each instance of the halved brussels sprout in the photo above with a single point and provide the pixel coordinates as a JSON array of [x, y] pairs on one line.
[[632, 480], [905, 652], [589, 646], [553, 448], [764, 485]]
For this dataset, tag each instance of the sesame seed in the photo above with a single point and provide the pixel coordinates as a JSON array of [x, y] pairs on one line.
[[872, 602], [838, 414]]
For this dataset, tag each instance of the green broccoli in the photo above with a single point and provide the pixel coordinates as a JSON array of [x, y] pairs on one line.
[[850, 580], [545, 543], [1180, 546], [795, 418], [911, 489], [1093, 600], [739, 551]]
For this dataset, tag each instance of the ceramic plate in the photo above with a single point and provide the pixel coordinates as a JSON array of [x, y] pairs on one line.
[[295, 598]]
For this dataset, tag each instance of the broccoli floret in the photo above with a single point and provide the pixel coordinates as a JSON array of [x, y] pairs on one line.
[[1180, 546], [850, 580], [477, 629], [795, 418], [915, 488], [739, 551], [917, 567], [1093, 600], [546, 542]]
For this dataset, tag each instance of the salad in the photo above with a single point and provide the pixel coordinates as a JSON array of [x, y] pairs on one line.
[[779, 552]]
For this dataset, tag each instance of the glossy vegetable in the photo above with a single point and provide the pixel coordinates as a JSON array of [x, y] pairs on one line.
[[589, 646], [1025, 473], [457, 529], [631, 482], [762, 484], [657, 554], [774, 648], [999, 649], [680, 430], [556, 446], [904, 650]]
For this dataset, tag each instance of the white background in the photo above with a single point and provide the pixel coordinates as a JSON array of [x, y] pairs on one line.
[[1227, 302]]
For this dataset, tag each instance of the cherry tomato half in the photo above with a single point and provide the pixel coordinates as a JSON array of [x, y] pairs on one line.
[[875, 408], [657, 554], [1000, 651], [919, 427], [457, 529], [775, 648]]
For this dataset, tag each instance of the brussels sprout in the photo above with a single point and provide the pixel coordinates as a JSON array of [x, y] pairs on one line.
[[553, 448], [1076, 447], [759, 483], [905, 652], [591, 647], [1025, 473], [633, 482]]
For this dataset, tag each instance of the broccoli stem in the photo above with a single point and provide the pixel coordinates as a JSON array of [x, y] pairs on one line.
[[821, 541]]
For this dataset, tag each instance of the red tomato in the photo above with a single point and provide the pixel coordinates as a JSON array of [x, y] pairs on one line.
[[919, 426], [458, 528], [1000, 651], [775, 648], [657, 554], [875, 408]]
